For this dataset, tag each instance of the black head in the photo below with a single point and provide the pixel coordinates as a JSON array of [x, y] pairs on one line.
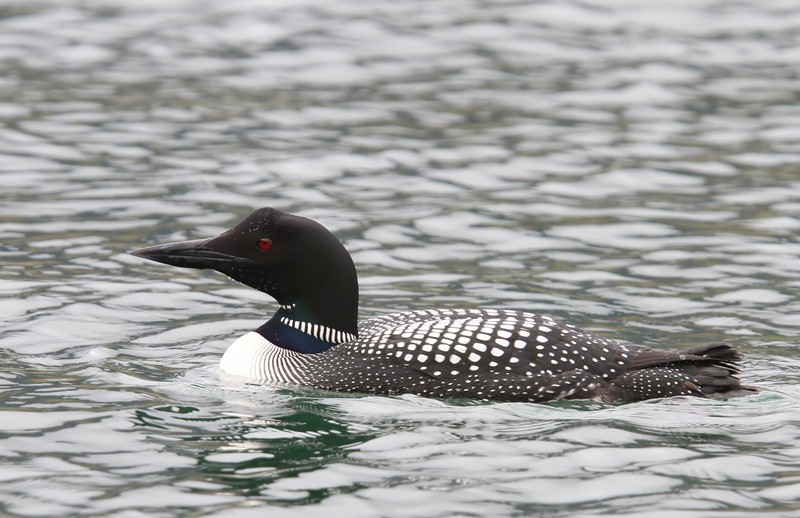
[[293, 259]]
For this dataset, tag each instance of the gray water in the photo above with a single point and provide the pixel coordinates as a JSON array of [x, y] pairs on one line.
[[631, 167]]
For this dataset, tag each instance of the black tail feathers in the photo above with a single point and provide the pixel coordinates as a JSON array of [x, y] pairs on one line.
[[723, 352], [717, 377]]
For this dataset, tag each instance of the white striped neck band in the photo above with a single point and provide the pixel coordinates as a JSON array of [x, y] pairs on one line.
[[319, 332]]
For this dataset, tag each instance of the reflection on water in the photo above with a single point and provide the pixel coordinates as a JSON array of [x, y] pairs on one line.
[[626, 166]]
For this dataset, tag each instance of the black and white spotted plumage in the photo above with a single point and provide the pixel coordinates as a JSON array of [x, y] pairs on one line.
[[508, 355], [315, 339]]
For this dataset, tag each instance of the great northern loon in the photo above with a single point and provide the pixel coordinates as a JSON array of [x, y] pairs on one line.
[[314, 338]]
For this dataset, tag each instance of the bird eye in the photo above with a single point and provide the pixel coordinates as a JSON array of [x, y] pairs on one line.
[[264, 244]]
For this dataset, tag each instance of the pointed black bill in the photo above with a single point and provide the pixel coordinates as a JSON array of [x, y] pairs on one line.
[[188, 254]]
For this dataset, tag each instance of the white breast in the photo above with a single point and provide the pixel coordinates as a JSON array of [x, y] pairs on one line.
[[254, 357]]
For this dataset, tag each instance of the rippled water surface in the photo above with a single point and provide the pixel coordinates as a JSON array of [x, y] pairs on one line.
[[632, 167]]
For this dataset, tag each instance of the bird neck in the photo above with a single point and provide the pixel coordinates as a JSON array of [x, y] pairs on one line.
[[321, 313]]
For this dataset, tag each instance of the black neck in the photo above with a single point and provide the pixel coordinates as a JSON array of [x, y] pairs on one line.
[[324, 293], [331, 307]]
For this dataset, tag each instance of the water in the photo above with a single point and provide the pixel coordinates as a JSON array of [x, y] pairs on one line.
[[630, 167]]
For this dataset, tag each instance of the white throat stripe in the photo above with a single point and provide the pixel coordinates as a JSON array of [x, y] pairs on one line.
[[319, 332]]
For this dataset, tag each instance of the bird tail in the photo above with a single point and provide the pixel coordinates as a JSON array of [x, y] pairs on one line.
[[722, 352], [709, 371], [718, 378]]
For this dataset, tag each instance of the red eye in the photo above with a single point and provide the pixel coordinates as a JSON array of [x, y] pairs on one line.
[[264, 244]]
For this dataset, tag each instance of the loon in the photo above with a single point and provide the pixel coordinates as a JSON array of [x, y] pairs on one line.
[[314, 338]]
